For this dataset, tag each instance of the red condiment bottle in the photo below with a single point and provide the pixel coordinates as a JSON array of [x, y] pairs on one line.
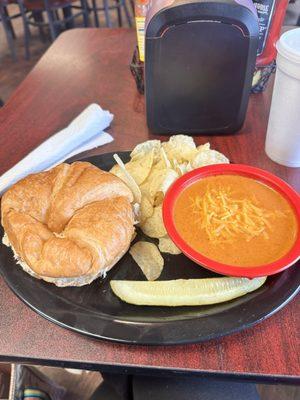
[[270, 14]]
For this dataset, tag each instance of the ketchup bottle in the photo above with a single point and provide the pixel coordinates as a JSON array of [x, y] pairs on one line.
[[270, 15]]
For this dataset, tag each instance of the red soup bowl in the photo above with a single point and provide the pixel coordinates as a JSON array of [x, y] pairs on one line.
[[232, 169]]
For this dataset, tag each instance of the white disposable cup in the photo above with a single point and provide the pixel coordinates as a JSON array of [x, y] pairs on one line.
[[283, 134]]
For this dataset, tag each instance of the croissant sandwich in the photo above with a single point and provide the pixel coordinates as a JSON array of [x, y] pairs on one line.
[[70, 224]]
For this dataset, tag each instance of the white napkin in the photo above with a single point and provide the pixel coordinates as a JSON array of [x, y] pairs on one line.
[[85, 132]]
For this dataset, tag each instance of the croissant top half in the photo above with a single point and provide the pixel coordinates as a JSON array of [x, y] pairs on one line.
[[72, 221]]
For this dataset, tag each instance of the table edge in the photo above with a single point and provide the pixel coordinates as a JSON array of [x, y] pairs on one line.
[[162, 371]]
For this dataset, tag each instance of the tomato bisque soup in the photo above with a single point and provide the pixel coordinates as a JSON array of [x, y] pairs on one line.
[[235, 220]]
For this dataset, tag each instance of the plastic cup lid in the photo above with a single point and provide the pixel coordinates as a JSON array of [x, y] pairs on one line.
[[289, 45]]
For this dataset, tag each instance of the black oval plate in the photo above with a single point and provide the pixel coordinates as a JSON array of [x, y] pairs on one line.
[[95, 311]]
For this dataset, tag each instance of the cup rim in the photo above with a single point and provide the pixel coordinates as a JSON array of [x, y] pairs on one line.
[[285, 49]]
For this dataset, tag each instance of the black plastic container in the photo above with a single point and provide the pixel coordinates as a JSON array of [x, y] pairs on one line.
[[200, 59]]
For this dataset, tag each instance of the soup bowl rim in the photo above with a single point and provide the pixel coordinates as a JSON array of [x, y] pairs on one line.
[[258, 174]]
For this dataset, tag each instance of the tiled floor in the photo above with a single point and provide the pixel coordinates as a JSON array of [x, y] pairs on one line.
[[81, 384]]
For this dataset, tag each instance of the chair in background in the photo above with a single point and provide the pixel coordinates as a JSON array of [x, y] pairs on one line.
[[132, 3], [6, 21], [35, 10], [106, 7]]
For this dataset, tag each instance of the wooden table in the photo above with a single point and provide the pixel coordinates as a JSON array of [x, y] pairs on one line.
[[91, 65]]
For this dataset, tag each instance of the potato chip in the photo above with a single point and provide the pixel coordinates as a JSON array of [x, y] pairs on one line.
[[128, 179], [159, 180], [182, 140], [148, 258], [158, 199], [143, 148], [180, 147], [170, 177], [175, 165], [152, 184], [157, 167], [208, 157], [167, 246], [154, 226], [203, 147], [146, 209], [153, 168], [140, 168], [182, 168]]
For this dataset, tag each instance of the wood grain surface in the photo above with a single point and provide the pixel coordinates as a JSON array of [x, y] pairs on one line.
[[92, 65]]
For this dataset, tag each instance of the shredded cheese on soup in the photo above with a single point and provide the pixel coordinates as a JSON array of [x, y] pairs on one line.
[[224, 217]]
